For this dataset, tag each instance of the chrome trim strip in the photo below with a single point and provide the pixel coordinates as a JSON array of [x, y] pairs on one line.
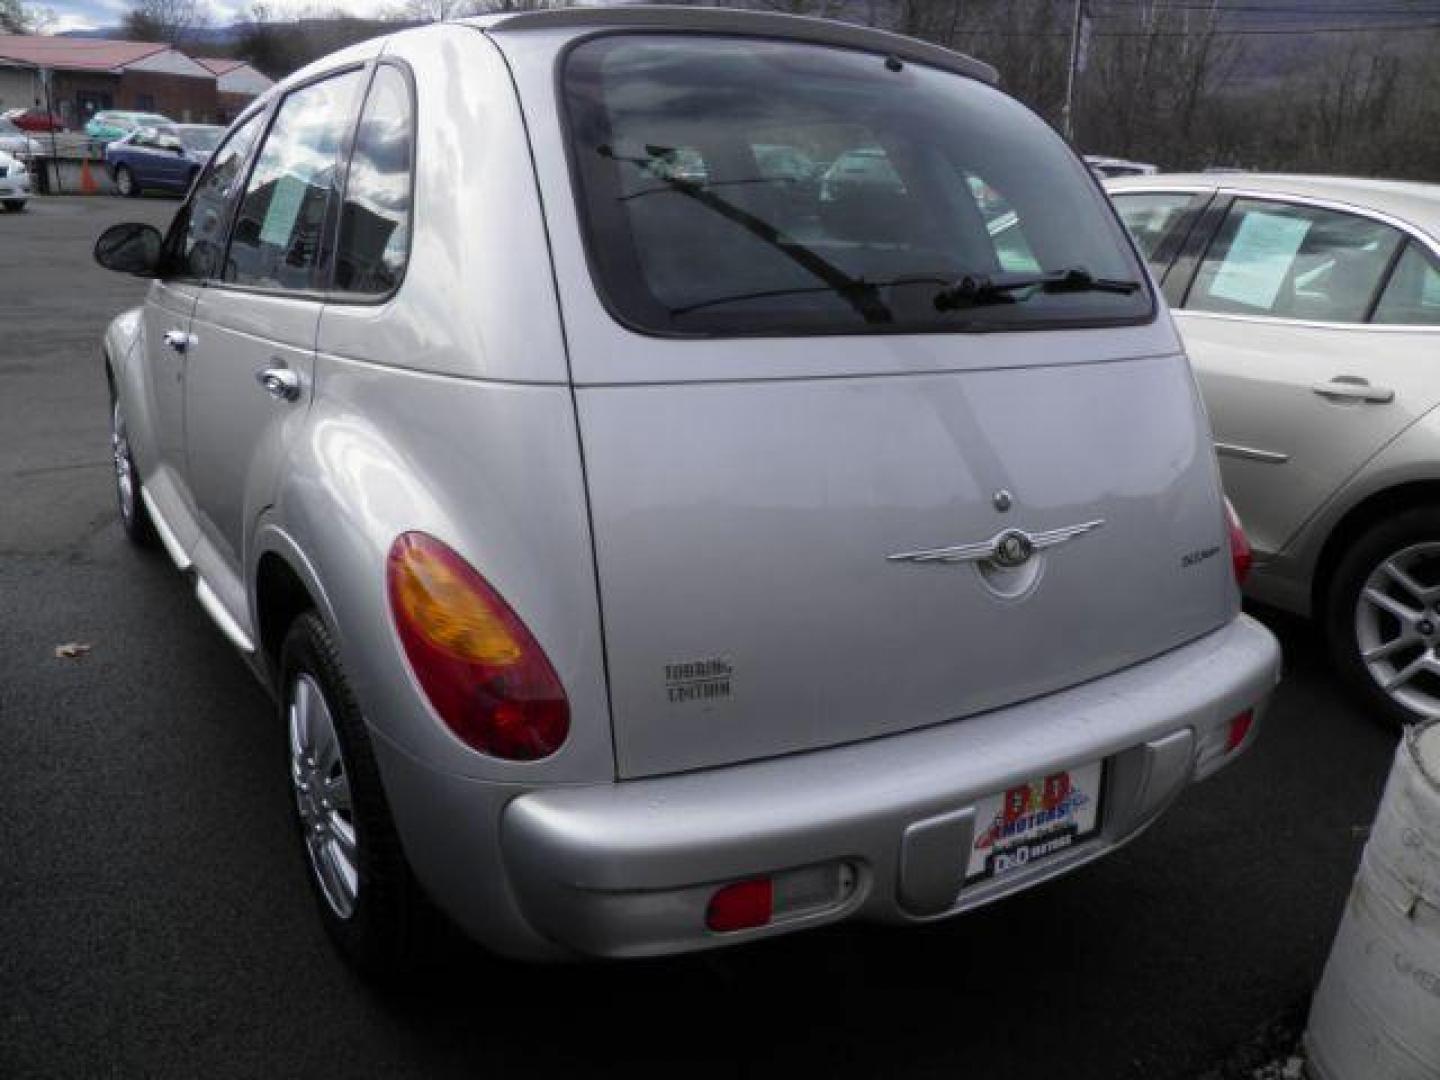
[[223, 619], [168, 540], [1249, 453]]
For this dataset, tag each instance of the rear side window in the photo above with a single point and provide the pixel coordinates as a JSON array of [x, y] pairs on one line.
[[733, 186], [375, 217], [276, 242], [1293, 262], [1154, 220], [1413, 295]]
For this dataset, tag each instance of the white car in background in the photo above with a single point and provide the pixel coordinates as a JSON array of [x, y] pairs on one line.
[[1310, 307], [14, 182]]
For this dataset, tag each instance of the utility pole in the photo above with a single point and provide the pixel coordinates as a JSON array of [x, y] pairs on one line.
[[1068, 115]]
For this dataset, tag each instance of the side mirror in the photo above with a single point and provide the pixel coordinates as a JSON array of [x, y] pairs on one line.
[[130, 248]]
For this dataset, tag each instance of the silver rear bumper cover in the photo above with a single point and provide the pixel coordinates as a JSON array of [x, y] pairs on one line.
[[627, 869]]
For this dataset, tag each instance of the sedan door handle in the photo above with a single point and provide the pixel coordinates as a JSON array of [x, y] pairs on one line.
[[178, 340], [279, 382], [1354, 388]]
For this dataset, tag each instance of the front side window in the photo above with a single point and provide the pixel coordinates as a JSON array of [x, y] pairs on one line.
[[201, 225], [276, 242], [1412, 296], [1153, 219], [1293, 262], [733, 186], [375, 217]]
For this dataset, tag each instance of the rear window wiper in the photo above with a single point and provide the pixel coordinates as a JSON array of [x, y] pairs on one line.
[[973, 290]]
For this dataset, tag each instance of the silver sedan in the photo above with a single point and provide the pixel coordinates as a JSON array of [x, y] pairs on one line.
[[1310, 307]]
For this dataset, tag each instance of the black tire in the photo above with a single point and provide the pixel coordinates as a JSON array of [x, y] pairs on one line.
[[125, 182], [382, 934], [1377, 545], [15, 205], [134, 515]]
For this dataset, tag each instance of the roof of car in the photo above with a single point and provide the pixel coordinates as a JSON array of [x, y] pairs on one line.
[[728, 20], [1412, 202]]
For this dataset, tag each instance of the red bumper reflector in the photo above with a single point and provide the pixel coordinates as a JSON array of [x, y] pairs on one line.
[[741, 906], [1239, 728]]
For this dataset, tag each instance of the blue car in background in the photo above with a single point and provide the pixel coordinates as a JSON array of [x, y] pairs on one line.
[[160, 158]]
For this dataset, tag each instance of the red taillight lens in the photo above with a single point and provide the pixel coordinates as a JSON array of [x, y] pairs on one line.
[[1241, 557], [1239, 728], [480, 667], [741, 906]]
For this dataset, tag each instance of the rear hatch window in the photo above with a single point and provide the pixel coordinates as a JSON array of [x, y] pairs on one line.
[[738, 187]]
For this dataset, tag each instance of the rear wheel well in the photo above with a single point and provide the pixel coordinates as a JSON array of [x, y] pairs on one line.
[[1360, 518], [280, 598]]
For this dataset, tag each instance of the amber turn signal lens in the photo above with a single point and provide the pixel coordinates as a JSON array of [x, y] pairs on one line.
[[480, 667]]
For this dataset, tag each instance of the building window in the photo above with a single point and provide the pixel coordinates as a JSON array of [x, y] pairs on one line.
[[145, 102]]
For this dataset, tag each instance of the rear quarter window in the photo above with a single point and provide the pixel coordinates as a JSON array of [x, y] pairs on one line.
[[736, 186]]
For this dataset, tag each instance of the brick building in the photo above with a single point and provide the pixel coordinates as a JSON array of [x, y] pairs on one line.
[[88, 75]]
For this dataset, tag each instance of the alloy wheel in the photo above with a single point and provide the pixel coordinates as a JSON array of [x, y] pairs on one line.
[[124, 465], [322, 796], [1397, 628]]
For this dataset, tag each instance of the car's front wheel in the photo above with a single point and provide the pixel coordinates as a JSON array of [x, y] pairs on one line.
[[366, 895], [1382, 617], [14, 205], [125, 182], [134, 517]]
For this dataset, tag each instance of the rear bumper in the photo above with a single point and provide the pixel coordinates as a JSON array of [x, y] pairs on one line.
[[876, 830]]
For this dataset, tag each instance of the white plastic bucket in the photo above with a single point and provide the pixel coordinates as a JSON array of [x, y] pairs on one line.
[[1376, 1015]]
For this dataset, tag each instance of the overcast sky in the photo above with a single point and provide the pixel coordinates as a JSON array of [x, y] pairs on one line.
[[93, 14]]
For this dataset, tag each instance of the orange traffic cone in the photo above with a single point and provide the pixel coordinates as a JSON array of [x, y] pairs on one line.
[[87, 182]]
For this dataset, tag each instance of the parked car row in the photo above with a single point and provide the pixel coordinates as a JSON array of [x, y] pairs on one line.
[[14, 182], [649, 553]]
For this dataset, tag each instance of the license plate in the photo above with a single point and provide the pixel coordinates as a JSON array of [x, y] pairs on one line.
[[1032, 822]]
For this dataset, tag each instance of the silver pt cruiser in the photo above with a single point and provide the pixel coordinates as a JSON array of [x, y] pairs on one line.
[[687, 476]]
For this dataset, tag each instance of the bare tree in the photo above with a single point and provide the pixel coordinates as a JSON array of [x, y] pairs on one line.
[[20, 18], [171, 21]]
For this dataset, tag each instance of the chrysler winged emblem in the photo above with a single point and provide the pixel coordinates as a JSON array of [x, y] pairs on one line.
[[1008, 549]]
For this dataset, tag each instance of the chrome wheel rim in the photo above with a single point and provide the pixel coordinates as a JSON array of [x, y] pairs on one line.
[[122, 181], [1397, 628], [322, 796], [124, 467]]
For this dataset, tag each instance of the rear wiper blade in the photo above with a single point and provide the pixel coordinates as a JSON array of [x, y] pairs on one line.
[[973, 290]]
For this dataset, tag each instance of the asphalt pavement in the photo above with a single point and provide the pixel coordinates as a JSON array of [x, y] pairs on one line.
[[155, 921]]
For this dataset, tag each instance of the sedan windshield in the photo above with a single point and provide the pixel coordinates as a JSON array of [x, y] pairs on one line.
[[745, 186]]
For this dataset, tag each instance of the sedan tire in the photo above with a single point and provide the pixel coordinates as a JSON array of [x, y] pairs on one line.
[[1382, 617], [14, 205], [125, 182], [366, 894]]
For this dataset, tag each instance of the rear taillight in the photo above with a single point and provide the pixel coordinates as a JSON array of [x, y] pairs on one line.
[[1241, 557], [482, 670]]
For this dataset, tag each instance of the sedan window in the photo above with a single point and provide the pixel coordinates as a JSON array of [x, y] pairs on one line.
[[1154, 220], [1294, 262], [1413, 295]]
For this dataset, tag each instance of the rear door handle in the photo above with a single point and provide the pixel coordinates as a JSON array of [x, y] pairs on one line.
[[1354, 388], [279, 382], [178, 340]]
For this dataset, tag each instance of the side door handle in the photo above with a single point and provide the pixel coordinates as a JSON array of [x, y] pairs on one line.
[[1354, 388], [179, 340], [279, 382]]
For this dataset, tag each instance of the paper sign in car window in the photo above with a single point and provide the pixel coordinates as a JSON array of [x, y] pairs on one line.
[[284, 208], [1259, 258]]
